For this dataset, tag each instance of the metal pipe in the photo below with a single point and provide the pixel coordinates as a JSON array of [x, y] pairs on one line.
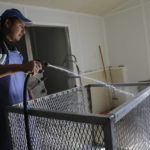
[[121, 84], [126, 107]]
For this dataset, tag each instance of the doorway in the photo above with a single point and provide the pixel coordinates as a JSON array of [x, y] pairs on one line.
[[52, 45]]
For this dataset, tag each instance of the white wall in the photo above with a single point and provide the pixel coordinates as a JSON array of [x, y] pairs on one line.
[[86, 31], [128, 38], [103, 98]]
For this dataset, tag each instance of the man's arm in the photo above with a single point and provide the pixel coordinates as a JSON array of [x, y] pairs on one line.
[[10, 69], [32, 67]]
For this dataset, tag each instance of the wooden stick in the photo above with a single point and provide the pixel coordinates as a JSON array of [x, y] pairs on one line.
[[105, 75]]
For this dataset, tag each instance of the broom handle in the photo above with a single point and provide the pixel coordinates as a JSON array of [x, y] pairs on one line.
[[100, 50]]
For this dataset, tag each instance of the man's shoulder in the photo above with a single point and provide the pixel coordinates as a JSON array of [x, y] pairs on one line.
[[2, 46], [3, 51]]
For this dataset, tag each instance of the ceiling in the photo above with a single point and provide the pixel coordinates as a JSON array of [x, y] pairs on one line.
[[96, 7]]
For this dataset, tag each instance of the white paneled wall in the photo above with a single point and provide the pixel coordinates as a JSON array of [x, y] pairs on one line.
[[128, 38], [89, 27], [86, 31]]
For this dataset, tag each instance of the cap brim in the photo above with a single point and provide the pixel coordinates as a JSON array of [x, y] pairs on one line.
[[27, 21], [24, 19]]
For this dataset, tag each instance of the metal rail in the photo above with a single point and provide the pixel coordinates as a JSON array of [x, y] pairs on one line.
[[120, 84], [126, 107], [85, 118]]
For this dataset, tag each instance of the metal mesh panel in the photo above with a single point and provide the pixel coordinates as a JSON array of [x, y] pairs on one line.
[[58, 134], [133, 130], [53, 134], [73, 100]]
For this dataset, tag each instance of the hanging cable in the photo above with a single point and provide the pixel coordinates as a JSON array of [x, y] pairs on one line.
[[26, 119]]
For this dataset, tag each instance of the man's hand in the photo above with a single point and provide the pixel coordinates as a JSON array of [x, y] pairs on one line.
[[32, 67]]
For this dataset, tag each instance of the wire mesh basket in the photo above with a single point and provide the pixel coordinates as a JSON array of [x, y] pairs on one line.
[[64, 129], [63, 121]]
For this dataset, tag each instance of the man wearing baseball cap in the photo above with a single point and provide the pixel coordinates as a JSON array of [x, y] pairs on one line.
[[12, 28]]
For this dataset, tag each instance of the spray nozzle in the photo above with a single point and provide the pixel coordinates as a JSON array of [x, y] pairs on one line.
[[45, 64]]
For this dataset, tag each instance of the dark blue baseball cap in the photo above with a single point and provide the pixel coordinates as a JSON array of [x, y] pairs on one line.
[[14, 13]]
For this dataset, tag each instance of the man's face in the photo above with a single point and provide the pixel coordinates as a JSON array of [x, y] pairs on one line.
[[16, 30]]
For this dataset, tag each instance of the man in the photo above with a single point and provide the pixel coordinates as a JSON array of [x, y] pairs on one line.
[[12, 28]]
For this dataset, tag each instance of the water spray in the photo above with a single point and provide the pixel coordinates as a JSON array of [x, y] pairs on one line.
[[91, 79]]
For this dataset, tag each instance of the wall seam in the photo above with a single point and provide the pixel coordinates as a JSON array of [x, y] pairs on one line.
[[146, 35]]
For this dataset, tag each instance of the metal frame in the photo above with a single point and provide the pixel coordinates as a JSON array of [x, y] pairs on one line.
[[54, 95], [89, 86], [108, 120], [120, 84], [84, 118], [109, 138], [126, 107], [123, 109], [92, 119], [90, 98]]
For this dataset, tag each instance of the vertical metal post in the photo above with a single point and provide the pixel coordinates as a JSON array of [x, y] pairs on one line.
[[109, 135], [89, 98], [91, 110], [8, 129], [28, 45], [72, 81]]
